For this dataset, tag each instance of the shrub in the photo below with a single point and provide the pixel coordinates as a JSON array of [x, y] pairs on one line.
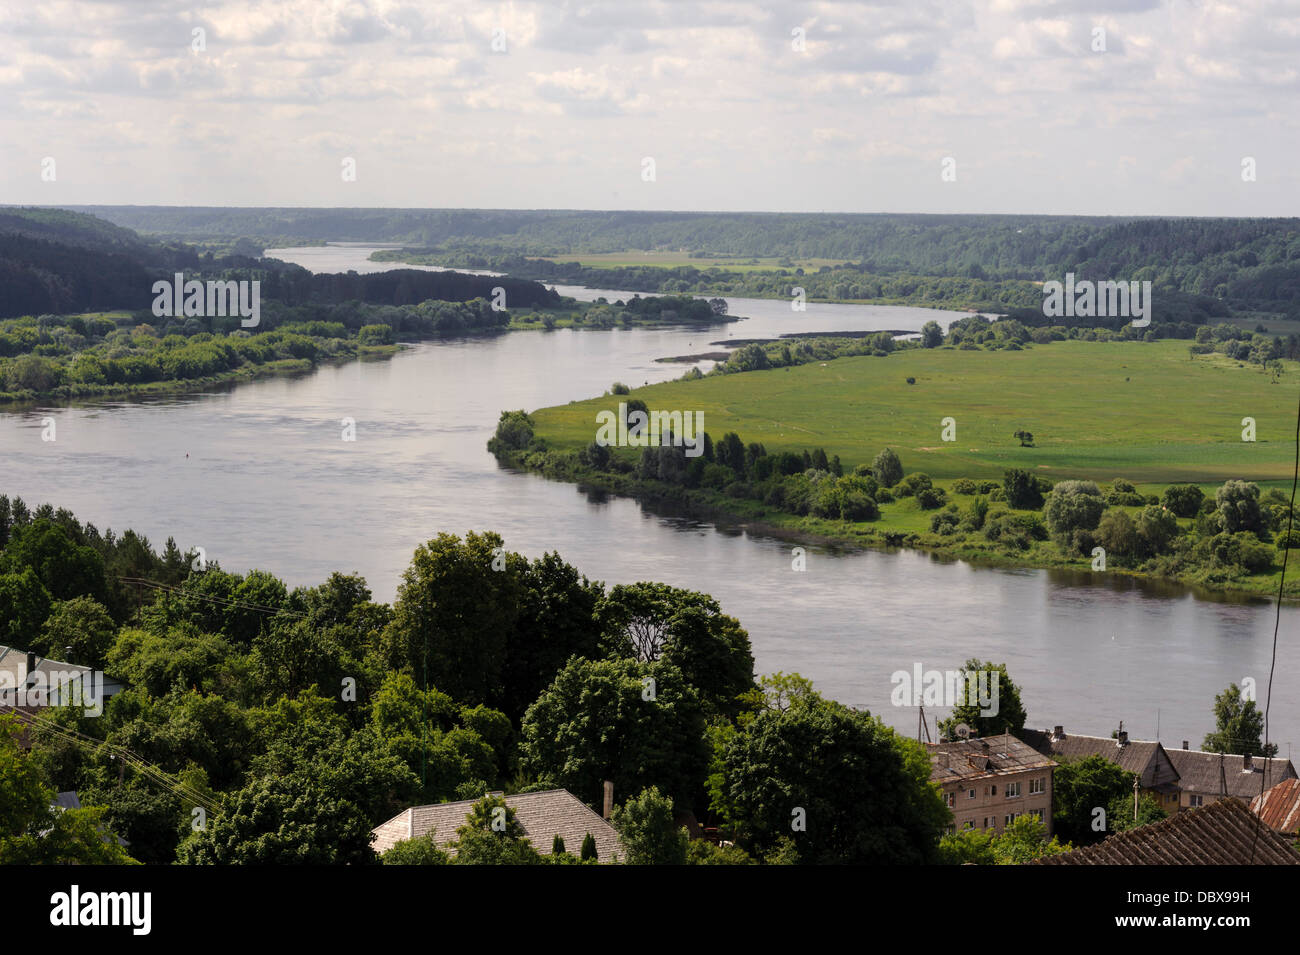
[[914, 483], [1238, 505], [1073, 505], [857, 506], [964, 486], [945, 522], [1022, 490], [931, 497], [887, 468], [1184, 500]]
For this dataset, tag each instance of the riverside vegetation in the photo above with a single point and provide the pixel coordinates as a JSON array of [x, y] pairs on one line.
[[298, 719], [1063, 447]]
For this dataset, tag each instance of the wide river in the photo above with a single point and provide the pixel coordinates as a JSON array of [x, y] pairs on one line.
[[269, 483]]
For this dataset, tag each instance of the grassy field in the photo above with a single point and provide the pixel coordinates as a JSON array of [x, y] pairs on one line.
[[1138, 410]]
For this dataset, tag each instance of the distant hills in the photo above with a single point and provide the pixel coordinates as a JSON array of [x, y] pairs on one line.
[[1250, 263], [59, 261]]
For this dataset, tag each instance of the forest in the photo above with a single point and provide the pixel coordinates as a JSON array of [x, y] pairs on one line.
[[1250, 263]]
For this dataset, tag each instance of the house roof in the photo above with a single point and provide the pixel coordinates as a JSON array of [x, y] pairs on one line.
[[1133, 756], [1198, 772], [1279, 807], [1222, 833], [543, 815], [988, 756], [14, 673]]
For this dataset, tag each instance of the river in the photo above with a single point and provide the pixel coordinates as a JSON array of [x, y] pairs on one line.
[[269, 483]]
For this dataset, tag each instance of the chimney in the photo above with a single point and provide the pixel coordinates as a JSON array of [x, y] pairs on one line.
[[1058, 732], [1247, 764], [609, 799], [984, 747], [1122, 739], [31, 667], [1184, 744]]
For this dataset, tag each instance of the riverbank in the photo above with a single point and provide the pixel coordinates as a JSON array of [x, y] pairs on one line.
[[755, 517]]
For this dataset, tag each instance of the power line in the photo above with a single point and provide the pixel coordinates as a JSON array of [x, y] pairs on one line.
[[1277, 620]]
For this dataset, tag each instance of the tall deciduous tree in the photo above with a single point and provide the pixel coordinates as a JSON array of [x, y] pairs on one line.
[[1239, 726], [637, 724], [840, 783]]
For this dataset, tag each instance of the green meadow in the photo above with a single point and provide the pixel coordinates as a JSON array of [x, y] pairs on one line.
[[1144, 411]]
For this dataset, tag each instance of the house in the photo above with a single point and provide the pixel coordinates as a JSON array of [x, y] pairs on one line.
[[1204, 778], [988, 782], [543, 815], [29, 682], [1146, 759], [1225, 833], [1279, 807]]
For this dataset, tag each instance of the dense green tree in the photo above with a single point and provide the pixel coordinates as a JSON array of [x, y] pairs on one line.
[[24, 605], [844, 786], [1238, 726], [1025, 840], [422, 850], [1072, 506], [453, 614], [66, 568], [32, 830], [1238, 507], [637, 724], [157, 663], [1183, 499], [1004, 699], [556, 620], [282, 820], [649, 621], [492, 835], [425, 729], [1080, 788], [82, 624], [1117, 533], [1022, 490], [588, 850], [648, 830], [887, 468]]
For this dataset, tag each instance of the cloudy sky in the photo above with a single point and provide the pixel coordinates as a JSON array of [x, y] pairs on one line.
[[776, 105]]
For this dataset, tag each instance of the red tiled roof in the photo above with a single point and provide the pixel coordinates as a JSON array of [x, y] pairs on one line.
[[1279, 807]]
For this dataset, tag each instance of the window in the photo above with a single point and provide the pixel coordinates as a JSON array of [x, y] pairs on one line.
[[995, 790], [1013, 790], [1012, 817], [1037, 786], [1196, 801], [970, 824], [970, 794], [950, 799], [986, 822], [1037, 814]]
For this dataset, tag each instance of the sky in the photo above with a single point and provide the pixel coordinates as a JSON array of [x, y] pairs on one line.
[[1114, 107]]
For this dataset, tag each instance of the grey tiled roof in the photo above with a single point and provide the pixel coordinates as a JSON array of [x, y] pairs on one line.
[[1223, 833], [543, 815], [1198, 772], [1135, 756]]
